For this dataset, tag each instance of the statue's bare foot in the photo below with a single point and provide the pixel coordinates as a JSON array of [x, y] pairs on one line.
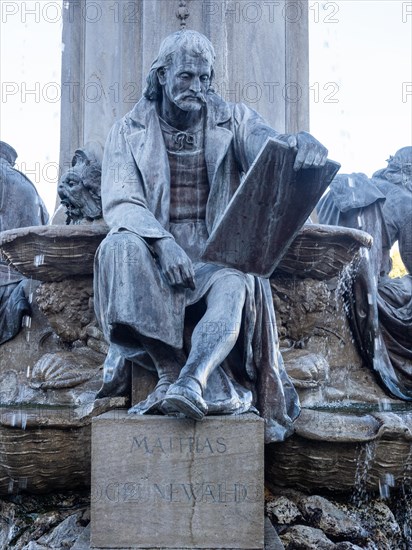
[[185, 397], [153, 402]]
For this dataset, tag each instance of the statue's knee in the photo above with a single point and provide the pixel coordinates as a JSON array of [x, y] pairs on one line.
[[231, 286], [123, 247]]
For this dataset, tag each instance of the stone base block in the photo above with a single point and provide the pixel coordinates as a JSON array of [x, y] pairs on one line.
[[167, 483]]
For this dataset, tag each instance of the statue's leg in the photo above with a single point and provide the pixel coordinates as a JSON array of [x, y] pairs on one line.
[[168, 362], [137, 310], [213, 338]]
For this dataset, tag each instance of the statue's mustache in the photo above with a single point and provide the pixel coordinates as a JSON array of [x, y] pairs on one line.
[[183, 96]]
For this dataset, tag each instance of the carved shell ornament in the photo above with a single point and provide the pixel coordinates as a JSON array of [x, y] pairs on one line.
[[60, 370]]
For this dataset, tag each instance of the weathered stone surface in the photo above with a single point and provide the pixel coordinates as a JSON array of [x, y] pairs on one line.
[[303, 537], [42, 522], [272, 540], [68, 306], [322, 251], [83, 541], [52, 252], [61, 370], [47, 448], [201, 481], [321, 513], [313, 465], [312, 323], [299, 307], [336, 426], [64, 535], [306, 370], [387, 531], [345, 408], [37, 460], [283, 511], [347, 546]]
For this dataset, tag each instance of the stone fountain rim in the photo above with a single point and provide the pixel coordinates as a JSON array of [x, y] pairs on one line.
[[338, 427], [19, 415]]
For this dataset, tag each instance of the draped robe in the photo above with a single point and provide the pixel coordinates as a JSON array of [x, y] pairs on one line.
[[136, 201]]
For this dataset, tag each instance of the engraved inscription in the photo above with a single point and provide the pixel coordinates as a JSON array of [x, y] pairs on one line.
[[162, 445], [184, 493]]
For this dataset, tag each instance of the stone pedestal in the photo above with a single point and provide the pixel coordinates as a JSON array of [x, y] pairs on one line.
[[162, 482]]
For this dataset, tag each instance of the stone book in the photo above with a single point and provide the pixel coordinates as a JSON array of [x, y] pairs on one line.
[[281, 200]]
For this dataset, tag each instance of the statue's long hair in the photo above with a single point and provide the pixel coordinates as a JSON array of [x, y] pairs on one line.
[[192, 42]]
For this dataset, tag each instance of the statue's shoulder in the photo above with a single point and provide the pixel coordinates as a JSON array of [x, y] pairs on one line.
[[136, 118], [13, 176], [6, 170], [227, 110]]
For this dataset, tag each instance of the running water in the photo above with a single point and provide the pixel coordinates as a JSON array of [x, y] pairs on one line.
[[403, 503], [364, 463], [38, 260], [385, 404], [386, 483], [11, 486]]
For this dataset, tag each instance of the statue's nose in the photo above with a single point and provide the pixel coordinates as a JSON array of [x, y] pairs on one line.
[[195, 84]]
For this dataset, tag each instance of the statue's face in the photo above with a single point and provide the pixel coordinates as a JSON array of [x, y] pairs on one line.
[[186, 81]]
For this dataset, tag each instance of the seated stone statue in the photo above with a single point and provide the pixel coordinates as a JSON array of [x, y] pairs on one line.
[[20, 206], [380, 308], [169, 170]]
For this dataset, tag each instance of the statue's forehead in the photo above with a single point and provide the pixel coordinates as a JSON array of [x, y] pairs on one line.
[[185, 59]]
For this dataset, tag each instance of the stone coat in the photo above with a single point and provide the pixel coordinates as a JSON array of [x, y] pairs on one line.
[[136, 198], [20, 206]]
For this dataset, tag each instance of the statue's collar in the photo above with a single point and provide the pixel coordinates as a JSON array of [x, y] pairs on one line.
[[218, 111]]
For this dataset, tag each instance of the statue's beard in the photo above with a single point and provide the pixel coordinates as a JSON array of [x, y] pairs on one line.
[[193, 102]]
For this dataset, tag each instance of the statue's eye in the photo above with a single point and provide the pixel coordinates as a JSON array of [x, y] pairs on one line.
[[204, 78]]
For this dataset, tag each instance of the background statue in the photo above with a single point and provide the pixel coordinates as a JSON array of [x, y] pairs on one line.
[[380, 308], [20, 206], [170, 168], [79, 187]]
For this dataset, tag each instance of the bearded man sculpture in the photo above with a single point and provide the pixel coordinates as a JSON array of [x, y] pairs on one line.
[[170, 168]]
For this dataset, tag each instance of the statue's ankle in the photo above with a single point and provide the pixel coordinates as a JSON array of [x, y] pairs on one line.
[[192, 383]]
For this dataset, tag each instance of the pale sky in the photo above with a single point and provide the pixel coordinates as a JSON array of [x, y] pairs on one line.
[[360, 82], [366, 58]]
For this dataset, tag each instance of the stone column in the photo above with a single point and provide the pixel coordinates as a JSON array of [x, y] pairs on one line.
[[261, 46]]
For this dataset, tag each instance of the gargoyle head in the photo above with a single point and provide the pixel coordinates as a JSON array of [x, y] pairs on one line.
[[79, 187]]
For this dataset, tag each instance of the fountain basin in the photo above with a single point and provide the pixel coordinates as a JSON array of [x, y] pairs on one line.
[[55, 252], [47, 448], [342, 451], [52, 252]]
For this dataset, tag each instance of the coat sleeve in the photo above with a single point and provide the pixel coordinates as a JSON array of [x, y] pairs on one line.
[[251, 132], [123, 193]]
